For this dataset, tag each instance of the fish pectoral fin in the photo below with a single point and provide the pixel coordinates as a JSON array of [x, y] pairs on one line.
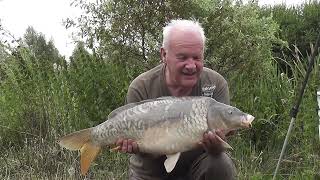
[[88, 153], [171, 161], [115, 149], [224, 144]]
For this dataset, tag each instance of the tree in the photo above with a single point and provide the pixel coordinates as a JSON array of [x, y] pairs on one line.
[[129, 32], [97, 86], [45, 55]]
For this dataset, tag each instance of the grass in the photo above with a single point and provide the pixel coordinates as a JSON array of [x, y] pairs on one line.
[[41, 159]]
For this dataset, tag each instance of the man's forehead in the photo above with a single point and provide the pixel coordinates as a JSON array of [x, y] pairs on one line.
[[182, 33], [186, 43]]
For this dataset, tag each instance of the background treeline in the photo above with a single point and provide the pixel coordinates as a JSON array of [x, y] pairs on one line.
[[262, 51]]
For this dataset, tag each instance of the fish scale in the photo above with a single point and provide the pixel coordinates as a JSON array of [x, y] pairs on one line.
[[165, 126], [193, 126]]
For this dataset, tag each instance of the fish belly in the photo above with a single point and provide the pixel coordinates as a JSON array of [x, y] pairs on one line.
[[172, 139]]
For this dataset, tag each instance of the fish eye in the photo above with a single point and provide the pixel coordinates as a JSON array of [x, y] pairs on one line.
[[230, 111]]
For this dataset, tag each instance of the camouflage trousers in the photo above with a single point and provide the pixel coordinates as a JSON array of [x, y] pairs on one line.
[[190, 166]]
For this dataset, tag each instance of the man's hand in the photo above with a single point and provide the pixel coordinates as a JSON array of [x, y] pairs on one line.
[[212, 143], [127, 146]]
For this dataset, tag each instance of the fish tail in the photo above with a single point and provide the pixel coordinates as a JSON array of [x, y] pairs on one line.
[[81, 140]]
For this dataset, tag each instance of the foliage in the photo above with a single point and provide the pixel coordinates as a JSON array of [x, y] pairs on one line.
[[88, 88], [98, 86], [239, 41], [26, 91], [299, 26]]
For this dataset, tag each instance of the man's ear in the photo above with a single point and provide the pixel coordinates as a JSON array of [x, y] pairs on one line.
[[163, 54]]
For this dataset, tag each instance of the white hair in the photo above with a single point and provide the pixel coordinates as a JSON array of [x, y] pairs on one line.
[[191, 24]]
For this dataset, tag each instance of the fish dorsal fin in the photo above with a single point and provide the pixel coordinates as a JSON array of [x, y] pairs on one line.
[[171, 161], [166, 98], [120, 109], [131, 105], [125, 107], [224, 144]]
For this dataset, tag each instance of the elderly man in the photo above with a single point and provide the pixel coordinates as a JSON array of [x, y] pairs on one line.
[[181, 74]]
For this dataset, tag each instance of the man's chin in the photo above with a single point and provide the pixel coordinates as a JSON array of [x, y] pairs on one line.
[[189, 83]]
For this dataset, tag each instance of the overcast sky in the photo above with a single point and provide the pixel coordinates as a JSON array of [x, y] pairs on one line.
[[46, 17]]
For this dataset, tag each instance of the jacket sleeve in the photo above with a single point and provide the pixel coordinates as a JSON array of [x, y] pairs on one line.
[[133, 95]]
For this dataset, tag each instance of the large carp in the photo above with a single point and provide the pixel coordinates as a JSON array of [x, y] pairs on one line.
[[164, 126]]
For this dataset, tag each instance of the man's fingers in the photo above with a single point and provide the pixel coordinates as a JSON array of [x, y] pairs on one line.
[[212, 142], [130, 141], [119, 142], [221, 134], [205, 139], [230, 133], [124, 146], [203, 145], [211, 138], [135, 148]]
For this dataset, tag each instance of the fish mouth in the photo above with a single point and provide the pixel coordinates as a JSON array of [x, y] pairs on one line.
[[247, 120]]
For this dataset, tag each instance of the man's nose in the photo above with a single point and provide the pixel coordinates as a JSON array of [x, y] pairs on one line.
[[190, 64]]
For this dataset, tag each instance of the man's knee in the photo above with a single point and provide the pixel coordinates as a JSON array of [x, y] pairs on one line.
[[213, 167], [221, 166]]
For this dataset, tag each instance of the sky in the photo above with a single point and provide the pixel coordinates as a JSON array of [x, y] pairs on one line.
[[46, 16]]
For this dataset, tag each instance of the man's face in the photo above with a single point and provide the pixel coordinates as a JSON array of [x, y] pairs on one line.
[[184, 58]]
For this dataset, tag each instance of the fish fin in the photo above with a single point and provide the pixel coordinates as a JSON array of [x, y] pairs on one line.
[[171, 161], [89, 152], [115, 148], [166, 98], [127, 106], [75, 140], [120, 109], [81, 140], [224, 144], [131, 105]]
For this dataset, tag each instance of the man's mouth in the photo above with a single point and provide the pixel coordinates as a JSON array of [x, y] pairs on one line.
[[189, 73]]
